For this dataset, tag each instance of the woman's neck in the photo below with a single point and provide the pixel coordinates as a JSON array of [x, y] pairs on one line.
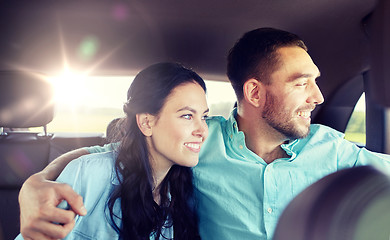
[[159, 173], [157, 195]]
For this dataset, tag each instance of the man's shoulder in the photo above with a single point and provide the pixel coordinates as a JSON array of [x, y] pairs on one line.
[[216, 124], [215, 120], [319, 130]]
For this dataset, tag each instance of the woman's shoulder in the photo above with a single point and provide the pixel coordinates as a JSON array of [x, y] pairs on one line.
[[94, 169], [93, 179], [98, 166], [98, 160]]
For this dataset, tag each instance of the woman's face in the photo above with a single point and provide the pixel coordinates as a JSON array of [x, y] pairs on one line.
[[180, 129]]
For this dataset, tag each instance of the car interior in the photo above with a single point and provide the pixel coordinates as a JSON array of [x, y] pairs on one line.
[[348, 40]]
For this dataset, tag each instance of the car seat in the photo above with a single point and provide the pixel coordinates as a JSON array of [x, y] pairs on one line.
[[349, 204], [26, 100]]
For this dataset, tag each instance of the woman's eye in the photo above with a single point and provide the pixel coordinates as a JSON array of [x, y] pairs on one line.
[[187, 116], [205, 117]]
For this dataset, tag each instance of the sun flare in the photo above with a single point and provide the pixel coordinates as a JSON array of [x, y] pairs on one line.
[[70, 88]]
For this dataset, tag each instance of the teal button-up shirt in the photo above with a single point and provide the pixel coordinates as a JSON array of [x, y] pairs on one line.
[[241, 196]]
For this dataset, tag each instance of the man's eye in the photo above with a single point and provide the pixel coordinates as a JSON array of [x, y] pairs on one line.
[[302, 84], [205, 117]]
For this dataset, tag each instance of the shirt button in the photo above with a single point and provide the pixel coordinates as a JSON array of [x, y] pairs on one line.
[[269, 210], [241, 147]]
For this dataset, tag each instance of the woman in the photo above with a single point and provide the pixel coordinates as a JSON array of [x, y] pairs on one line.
[[144, 188]]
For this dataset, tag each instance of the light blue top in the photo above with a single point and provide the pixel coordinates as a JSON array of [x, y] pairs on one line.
[[241, 196], [93, 177]]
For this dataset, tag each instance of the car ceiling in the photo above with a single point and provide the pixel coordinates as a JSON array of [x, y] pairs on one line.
[[129, 35]]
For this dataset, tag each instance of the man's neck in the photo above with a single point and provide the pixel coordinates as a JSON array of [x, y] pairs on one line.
[[260, 139]]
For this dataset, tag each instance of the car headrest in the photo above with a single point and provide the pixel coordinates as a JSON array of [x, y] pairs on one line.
[[351, 204], [26, 99]]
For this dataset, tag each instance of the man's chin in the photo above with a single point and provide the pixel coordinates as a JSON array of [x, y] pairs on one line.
[[304, 133], [299, 133]]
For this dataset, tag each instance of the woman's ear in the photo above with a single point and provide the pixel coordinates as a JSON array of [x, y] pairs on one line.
[[252, 92], [144, 122]]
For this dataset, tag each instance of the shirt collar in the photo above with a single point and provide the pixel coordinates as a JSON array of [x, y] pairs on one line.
[[289, 148], [232, 129], [232, 126]]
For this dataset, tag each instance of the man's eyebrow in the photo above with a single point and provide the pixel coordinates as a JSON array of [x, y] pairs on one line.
[[297, 76], [187, 108]]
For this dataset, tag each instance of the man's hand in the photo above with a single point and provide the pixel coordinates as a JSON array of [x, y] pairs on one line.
[[39, 218]]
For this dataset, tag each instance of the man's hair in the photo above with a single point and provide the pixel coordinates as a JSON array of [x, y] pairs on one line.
[[254, 56]]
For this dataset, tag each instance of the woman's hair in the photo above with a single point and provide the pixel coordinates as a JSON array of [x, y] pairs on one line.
[[114, 131], [140, 215]]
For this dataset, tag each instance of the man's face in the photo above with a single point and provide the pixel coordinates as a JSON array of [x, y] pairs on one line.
[[292, 93]]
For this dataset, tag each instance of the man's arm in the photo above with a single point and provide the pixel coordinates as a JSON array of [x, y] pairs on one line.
[[39, 197]]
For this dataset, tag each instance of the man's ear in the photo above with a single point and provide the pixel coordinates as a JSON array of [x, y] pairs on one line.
[[144, 122], [252, 90]]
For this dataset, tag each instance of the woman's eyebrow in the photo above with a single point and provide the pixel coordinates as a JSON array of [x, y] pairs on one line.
[[187, 108]]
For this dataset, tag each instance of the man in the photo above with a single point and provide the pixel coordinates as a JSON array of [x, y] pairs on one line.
[[253, 163]]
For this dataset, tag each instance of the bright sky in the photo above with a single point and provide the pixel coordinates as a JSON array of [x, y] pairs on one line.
[[111, 91], [361, 104], [93, 93]]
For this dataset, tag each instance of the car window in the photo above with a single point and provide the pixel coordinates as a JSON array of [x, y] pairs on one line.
[[356, 127], [88, 104]]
